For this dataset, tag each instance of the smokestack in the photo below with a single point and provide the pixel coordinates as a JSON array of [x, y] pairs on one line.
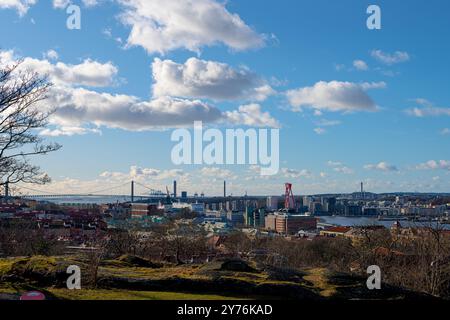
[[224, 189], [175, 189], [362, 190], [132, 191]]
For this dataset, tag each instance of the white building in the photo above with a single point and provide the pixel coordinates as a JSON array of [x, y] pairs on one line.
[[272, 203]]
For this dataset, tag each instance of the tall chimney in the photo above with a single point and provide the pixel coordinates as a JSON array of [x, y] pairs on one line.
[[224, 189], [362, 191], [175, 189]]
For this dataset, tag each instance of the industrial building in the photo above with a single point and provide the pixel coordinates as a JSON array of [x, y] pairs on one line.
[[289, 224]]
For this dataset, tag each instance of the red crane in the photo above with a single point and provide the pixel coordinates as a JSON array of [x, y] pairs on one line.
[[289, 201]]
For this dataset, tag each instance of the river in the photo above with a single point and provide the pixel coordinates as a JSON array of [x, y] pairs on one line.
[[370, 221]]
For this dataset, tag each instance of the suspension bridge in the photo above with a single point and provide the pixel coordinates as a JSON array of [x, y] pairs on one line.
[[132, 190]]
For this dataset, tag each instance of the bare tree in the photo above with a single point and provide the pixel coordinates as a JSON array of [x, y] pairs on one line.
[[20, 116], [95, 255]]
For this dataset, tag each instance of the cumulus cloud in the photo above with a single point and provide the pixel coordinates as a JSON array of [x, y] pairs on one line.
[[78, 106], [207, 79], [390, 58], [334, 96], [382, 166], [427, 109], [344, 170], [360, 65], [77, 109], [51, 55], [21, 6], [434, 165], [160, 26], [295, 174], [340, 167], [251, 115], [88, 73], [143, 174], [60, 4]]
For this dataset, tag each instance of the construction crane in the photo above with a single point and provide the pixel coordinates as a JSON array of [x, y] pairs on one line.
[[289, 200], [168, 198]]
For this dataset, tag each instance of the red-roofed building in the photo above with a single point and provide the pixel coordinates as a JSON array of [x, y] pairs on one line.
[[338, 231]]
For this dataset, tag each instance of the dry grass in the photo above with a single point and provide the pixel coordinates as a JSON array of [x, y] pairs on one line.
[[319, 278]]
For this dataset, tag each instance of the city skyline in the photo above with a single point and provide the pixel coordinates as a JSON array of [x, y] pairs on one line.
[[352, 104]]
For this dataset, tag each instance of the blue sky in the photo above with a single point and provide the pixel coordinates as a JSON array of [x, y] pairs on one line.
[[364, 105]]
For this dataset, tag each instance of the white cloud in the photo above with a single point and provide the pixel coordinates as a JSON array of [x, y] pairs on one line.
[[390, 58], [62, 4], [207, 79], [88, 73], [334, 96], [360, 65], [427, 109], [424, 112], [445, 131], [295, 174], [68, 131], [160, 26], [21, 6], [251, 115], [434, 165], [373, 85], [78, 106], [51, 55], [340, 167], [91, 3], [344, 170], [382, 166], [143, 174]]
